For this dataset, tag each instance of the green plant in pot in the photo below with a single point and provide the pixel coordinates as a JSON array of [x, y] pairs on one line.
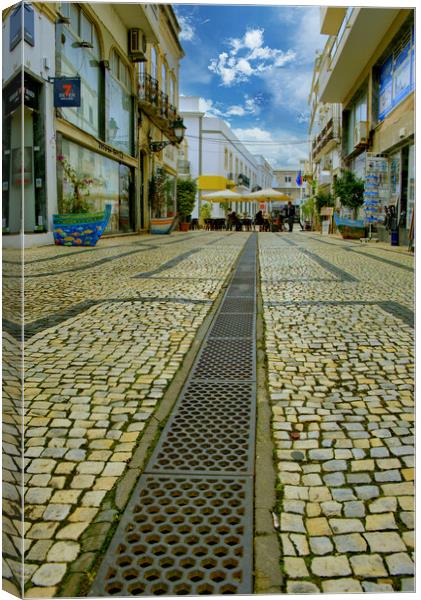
[[78, 201], [186, 197], [350, 191], [158, 193]]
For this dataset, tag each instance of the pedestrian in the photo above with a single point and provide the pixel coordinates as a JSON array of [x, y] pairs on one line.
[[290, 213], [266, 223], [258, 220]]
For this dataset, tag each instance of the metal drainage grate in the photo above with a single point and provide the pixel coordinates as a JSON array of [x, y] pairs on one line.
[[233, 325], [244, 290], [237, 305], [182, 535], [226, 359], [188, 526], [211, 431]]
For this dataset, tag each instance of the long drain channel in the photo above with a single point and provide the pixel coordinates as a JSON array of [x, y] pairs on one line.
[[188, 527]]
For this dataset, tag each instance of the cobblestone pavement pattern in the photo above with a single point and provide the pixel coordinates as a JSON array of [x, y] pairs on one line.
[[340, 376], [108, 328], [94, 378]]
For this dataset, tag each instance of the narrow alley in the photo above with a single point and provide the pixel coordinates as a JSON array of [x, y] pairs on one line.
[[161, 371]]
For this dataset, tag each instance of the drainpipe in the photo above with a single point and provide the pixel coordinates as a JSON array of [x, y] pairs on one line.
[[200, 163]]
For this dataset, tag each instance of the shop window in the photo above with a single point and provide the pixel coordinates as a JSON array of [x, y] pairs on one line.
[[355, 122], [75, 60], [410, 186], [396, 74], [104, 181], [119, 125]]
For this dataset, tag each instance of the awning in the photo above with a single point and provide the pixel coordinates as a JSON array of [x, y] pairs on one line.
[[212, 182]]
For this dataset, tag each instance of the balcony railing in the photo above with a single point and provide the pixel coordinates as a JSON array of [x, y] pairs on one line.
[[243, 180], [329, 132], [155, 102]]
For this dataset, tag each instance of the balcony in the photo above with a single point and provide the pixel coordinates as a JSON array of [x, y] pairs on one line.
[[346, 55], [243, 180], [155, 103], [327, 138]]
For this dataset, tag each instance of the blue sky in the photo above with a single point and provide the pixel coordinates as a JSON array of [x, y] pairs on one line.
[[253, 65]]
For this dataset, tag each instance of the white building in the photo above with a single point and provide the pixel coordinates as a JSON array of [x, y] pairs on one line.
[[218, 159], [264, 172]]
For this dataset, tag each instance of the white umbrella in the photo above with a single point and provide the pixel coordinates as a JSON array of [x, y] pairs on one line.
[[223, 196], [268, 194]]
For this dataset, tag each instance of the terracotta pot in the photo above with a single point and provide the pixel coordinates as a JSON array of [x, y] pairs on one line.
[[184, 226]]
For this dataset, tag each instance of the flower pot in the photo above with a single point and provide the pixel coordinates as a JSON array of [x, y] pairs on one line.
[[83, 229], [184, 226], [162, 225]]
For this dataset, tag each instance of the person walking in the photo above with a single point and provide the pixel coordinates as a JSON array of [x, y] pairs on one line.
[[258, 220], [290, 216]]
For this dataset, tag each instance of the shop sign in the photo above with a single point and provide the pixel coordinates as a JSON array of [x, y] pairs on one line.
[[67, 91], [110, 150], [13, 94], [16, 26]]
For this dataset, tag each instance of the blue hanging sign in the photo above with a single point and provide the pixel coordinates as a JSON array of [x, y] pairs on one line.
[[16, 21], [66, 91]]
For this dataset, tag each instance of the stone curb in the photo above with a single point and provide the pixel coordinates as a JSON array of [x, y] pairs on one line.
[[267, 555]]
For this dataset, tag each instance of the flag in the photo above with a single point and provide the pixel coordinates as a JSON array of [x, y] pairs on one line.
[[299, 179]]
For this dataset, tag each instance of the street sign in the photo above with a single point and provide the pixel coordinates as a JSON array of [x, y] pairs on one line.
[[66, 91]]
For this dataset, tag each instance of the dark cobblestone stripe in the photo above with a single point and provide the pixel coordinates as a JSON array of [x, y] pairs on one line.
[[373, 256], [104, 260], [168, 265], [287, 240], [339, 273], [393, 308], [399, 311], [39, 325]]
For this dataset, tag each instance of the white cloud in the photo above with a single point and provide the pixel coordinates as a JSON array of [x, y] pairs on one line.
[[187, 32], [251, 106], [256, 58], [273, 146]]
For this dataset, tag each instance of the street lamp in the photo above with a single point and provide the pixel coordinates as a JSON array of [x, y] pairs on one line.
[[178, 130]]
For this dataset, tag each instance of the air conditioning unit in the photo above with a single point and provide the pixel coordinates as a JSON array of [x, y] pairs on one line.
[[137, 45], [361, 134]]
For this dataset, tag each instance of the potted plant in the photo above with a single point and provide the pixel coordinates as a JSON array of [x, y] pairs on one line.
[[186, 197], [350, 191], [76, 225], [160, 222]]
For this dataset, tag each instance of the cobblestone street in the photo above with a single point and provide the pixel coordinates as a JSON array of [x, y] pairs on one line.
[[107, 331]]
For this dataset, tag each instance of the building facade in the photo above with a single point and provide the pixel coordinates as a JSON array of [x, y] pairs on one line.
[[125, 59], [218, 160], [285, 181], [367, 67]]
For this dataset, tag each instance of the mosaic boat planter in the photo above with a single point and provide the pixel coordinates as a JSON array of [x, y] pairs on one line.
[[350, 229], [162, 225], [82, 229]]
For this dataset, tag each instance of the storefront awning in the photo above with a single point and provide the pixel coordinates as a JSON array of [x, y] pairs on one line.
[[212, 182]]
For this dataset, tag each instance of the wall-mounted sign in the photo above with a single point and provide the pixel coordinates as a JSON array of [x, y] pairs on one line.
[[16, 21], [14, 91], [67, 91]]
